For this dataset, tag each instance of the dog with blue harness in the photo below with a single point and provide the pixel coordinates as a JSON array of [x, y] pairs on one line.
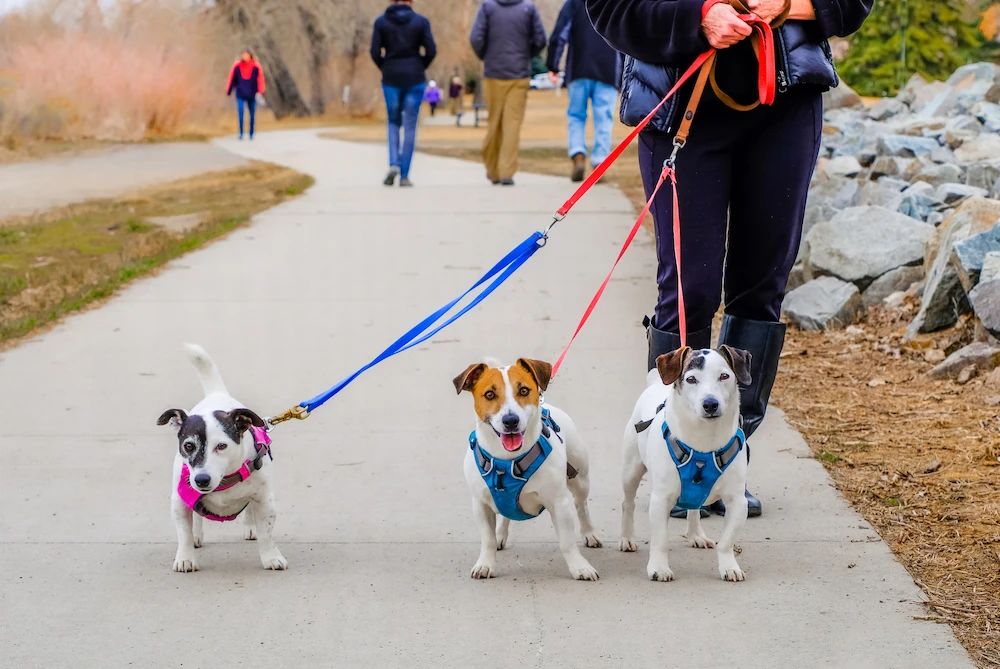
[[697, 456], [524, 457]]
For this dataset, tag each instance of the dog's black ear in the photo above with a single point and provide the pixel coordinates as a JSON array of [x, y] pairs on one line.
[[468, 378], [670, 365], [540, 370], [175, 417], [739, 360], [244, 418]]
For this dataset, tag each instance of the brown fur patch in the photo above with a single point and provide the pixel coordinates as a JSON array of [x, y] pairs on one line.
[[489, 381], [524, 382]]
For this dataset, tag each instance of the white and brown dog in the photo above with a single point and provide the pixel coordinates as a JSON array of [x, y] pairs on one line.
[[685, 431], [524, 456], [222, 469]]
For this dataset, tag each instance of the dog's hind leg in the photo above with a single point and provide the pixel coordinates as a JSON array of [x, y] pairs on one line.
[[486, 519], [503, 531], [695, 532], [264, 514], [736, 517], [185, 560], [579, 485], [197, 532], [249, 525], [632, 473]]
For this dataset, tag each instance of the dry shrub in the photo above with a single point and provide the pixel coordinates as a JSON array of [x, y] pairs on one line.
[[125, 71]]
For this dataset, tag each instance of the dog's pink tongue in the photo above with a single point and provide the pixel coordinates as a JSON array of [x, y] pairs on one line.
[[512, 442]]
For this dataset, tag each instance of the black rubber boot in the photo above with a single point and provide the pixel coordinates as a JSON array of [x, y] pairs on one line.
[[764, 340], [660, 342]]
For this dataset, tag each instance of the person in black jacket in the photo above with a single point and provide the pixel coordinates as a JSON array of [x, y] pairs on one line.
[[743, 176], [591, 77], [403, 48]]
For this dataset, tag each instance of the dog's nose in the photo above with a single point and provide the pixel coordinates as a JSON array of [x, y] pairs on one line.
[[710, 405], [510, 422], [202, 480]]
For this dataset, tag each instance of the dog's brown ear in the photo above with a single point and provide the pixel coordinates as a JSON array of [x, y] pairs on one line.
[[244, 418], [468, 378], [670, 365], [540, 370], [175, 417], [739, 360]]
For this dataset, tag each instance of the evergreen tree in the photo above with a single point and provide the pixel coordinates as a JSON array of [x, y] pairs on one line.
[[903, 37]]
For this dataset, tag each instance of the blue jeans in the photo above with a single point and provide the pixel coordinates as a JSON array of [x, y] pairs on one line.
[[602, 98], [251, 106], [402, 106]]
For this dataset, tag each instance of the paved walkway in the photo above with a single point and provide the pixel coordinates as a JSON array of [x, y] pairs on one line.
[[374, 516], [42, 184]]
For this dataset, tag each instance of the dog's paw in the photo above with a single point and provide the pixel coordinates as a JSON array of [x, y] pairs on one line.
[[482, 570], [591, 541], [274, 561], [249, 534], [662, 574], [732, 574], [700, 542], [627, 545], [584, 572], [184, 563]]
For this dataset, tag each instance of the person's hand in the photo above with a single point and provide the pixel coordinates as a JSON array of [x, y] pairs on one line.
[[768, 10], [723, 27], [554, 78]]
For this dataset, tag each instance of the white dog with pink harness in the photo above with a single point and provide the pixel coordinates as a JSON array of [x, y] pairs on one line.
[[221, 470]]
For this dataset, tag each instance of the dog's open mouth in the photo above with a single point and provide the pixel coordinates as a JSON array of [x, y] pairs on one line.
[[512, 440]]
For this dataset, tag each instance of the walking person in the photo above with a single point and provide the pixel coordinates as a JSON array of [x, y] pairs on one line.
[[506, 35], [455, 103], [432, 96], [591, 76], [402, 48], [743, 175], [246, 78]]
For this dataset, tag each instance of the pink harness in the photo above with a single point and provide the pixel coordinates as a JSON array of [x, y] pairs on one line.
[[194, 499]]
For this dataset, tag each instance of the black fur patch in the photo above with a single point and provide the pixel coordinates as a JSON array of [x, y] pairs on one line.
[[193, 430], [697, 361], [228, 426]]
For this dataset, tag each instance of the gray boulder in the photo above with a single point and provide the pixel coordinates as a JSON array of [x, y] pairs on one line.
[[985, 147], [988, 113], [991, 267], [967, 255], [937, 174], [843, 166], [971, 84], [983, 357], [928, 100], [880, 193], [893, 281], [860, 244], [918, 201], [985, 301], [984, 175], [822, 304], [843, 96], [885, 109], [905, 146], [950, 193]]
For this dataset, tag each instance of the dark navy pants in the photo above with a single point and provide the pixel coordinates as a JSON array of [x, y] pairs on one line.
[[742, 184]]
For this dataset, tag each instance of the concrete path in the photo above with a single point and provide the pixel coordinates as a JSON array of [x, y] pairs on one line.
[[374, 515], [42, 184]]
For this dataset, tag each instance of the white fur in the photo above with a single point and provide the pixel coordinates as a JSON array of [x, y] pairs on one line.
[[565, 500], [256, 493], [647, 452]]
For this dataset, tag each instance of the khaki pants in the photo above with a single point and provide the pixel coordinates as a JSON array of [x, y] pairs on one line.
[[505, 102]]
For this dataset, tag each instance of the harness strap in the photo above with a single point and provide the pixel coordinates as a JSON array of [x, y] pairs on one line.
[[643, 425]]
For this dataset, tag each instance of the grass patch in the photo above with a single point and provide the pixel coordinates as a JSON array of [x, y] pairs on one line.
[[60, 261]]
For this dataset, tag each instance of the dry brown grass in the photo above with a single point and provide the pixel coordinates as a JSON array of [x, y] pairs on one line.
[[918, 458]]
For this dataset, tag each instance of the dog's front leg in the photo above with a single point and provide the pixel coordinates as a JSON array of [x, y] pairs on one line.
[[184, 560], [567, 526], [658, 567], [695, 532], [264, 514], [486, 519], [736, 517]]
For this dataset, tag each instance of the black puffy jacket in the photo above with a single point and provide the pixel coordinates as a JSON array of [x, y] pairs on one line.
[[402, 46], [662, 37]]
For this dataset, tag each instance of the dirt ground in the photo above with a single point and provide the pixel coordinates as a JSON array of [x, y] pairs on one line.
[[919, 458]]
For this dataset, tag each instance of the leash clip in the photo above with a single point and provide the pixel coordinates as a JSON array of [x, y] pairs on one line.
[[297, 412], [678, 145]]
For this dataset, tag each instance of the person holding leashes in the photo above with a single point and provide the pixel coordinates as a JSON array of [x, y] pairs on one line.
[[744, 170], [246, 78]]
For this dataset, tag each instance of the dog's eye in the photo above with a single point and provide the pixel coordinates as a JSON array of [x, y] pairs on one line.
[[188, 448], [723, 377], [490, 395], [524, 391], [221, 447], [691, 379]]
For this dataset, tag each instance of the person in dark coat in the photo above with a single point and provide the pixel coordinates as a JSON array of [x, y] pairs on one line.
[[402, 48], [743, 175], [591, 76], [246, 78]]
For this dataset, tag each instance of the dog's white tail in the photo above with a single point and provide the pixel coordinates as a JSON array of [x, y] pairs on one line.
[[208, 373]]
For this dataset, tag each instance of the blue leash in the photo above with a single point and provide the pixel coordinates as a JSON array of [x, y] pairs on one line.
[[426, 328]]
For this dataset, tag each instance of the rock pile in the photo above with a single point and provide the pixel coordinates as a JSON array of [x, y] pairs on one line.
[[906, 202]]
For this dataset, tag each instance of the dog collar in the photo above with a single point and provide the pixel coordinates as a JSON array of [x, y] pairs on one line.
[[195, 500], [699, 471]]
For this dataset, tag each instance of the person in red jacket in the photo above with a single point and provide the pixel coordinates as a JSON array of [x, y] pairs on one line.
[[247, 79]]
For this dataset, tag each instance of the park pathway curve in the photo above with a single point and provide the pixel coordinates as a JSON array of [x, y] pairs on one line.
[[374, 517]]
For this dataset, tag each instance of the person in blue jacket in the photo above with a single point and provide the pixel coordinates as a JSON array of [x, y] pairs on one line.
[[591, 76], [743, 175], [402, 48]]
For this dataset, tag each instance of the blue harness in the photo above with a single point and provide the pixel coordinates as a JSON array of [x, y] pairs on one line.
[[506, 478], [699, 471]]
